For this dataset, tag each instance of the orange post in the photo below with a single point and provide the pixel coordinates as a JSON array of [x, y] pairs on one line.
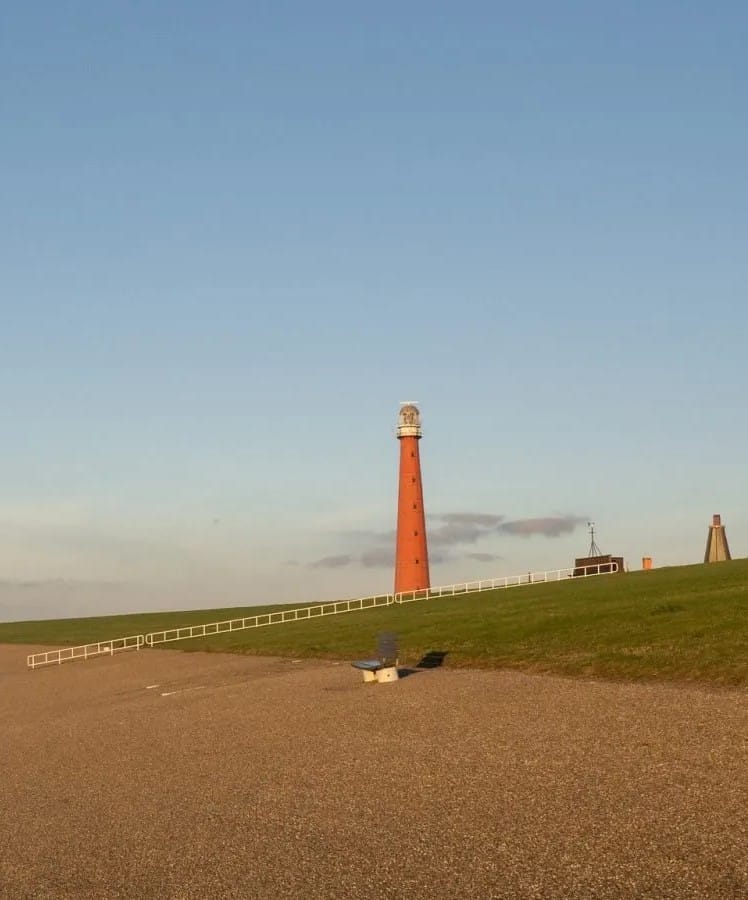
[[646, 562], [411, 557]]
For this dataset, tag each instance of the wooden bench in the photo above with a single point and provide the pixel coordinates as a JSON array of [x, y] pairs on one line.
[[383, 669]]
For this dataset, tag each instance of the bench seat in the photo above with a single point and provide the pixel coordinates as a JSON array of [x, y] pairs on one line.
[[375, 670], [369, 665], [384, 668]]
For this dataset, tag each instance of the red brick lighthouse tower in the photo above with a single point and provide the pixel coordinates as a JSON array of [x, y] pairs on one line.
[[412, 557]]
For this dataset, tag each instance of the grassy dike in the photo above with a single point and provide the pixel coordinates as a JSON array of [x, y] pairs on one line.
[[687, 623]]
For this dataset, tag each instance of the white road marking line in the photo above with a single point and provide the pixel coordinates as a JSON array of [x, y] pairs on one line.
[[149, 687], [198, 687]]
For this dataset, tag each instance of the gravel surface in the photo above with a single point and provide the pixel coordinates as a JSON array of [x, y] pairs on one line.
[[170, 775]]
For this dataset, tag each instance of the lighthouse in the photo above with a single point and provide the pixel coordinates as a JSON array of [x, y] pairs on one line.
[[411, 557]]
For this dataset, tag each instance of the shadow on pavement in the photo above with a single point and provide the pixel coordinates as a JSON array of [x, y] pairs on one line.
[[434, 659]]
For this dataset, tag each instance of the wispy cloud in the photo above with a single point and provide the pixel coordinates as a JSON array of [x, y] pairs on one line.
[[484, 557], [333, 562], [462, 528], [549, 526], [482, 520], [379, 556], [58, 583], [449, 537]]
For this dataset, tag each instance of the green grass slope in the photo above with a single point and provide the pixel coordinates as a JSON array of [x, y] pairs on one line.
[[686, 623]]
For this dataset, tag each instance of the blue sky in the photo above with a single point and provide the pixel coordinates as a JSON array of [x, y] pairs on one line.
[[234, 236]]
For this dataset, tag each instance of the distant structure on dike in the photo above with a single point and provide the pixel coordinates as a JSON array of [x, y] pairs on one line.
[[411, 556], [717, 549], [596, 562]]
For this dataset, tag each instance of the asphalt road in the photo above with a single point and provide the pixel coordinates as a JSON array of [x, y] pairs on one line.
[[166, 775]]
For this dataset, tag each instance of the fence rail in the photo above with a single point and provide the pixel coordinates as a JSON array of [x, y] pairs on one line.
[[186, 632], [264, 619], [84, 651], [507, 581]]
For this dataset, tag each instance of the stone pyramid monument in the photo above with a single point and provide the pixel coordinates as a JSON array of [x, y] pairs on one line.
[[717, 548]]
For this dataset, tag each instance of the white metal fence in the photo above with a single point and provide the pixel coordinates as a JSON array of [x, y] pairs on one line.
[[272, 618], [84, 651], [507, 581], [186, 632]]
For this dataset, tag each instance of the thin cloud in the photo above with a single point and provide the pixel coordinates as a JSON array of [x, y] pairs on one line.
[[333, 562], [469, 518], [374, 558], [437, 557], [484, 557], [449, 534], [549, 526], [462, 528], [378, 557], [59, 584]]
